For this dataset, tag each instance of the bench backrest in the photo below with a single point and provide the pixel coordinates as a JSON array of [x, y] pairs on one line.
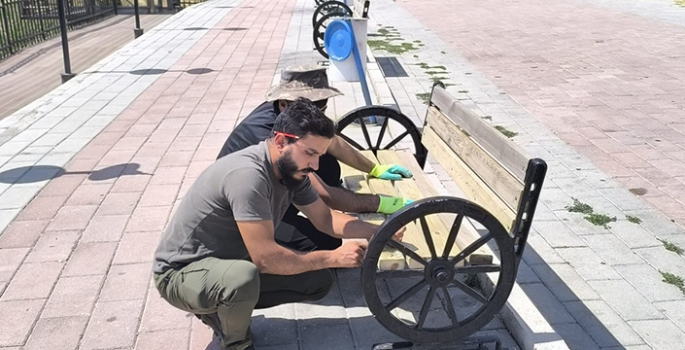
[[490, 169]]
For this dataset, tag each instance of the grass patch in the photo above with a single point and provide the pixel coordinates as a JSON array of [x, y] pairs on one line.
[[600, 219], [424, 96], [505, 131], [487, 117], [385, 45], [594, 218], [579, 207], [463, 91], [634, 219], [443, 52], [436, 79], [416, 56], [673, 280], [426, 66], [672, 247]]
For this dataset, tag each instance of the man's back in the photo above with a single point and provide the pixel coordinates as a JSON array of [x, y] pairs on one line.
[[255, 128]]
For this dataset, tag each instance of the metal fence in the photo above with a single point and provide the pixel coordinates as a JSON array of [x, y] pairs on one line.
[[26, 22]]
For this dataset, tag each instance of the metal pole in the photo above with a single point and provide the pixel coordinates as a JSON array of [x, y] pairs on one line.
[[65, 41], [138, 31]]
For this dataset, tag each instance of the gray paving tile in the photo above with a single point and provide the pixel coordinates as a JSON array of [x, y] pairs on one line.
[[660, 334], [602, 323], [626, 300], [648, 281], [564, 282]]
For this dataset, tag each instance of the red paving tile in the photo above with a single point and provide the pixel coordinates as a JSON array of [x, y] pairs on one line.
[[580, 71], [92, 267]]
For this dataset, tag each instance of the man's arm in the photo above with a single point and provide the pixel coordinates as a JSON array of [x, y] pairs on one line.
[[339, 198], [342, 151], [271, 258], [336, 224]]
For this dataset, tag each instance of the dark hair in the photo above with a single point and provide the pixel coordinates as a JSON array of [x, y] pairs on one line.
[[303, 117]]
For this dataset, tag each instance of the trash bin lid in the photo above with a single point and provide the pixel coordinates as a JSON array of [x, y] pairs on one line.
[[338, 40]]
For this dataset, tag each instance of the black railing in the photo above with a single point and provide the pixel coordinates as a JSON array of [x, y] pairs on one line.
[[24, 23]]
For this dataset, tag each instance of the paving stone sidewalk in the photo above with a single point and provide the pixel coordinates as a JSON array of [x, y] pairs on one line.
[[538, 68], [92, 172]]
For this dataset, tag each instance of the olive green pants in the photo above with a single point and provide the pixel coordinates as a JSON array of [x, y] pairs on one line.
[[223, 293]]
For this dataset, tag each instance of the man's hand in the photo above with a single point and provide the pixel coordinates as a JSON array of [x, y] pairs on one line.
[[389, 205], [399, 234], [350, 254], [390, 172]]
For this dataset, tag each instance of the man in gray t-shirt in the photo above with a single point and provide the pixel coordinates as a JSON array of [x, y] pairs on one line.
[[218, 258]]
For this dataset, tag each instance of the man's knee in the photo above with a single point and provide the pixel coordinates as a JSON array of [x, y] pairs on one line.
[[322, 281], [240, 282]]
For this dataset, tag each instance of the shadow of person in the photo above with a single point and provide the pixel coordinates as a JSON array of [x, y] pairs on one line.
[[38, 173]]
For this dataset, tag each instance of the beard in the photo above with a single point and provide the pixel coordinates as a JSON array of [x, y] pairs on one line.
[[288, 169]]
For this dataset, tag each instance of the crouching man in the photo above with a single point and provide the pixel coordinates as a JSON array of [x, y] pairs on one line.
[[218, 258]]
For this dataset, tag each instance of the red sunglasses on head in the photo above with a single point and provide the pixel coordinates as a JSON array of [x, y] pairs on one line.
[[287, 135]]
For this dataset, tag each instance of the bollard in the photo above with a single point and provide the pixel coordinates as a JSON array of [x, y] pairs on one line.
[[65, 41], [137, 32]]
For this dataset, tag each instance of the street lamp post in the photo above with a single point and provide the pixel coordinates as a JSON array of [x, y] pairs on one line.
[[65, 41], [138, 31]]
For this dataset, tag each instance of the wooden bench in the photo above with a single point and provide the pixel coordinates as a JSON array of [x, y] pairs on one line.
[[489, 169]]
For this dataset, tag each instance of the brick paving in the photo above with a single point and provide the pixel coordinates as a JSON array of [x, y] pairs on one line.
[[76, 249], [569, 78], [608, 83]]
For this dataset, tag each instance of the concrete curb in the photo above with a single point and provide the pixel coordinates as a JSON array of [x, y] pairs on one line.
[[520, 315]]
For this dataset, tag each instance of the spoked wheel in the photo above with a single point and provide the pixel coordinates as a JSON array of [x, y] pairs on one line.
[[319, 2], [320, 30], [434, 301], [330, 7], [378, 127]]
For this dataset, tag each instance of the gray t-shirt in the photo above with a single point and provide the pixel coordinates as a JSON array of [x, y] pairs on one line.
[[239, 187]]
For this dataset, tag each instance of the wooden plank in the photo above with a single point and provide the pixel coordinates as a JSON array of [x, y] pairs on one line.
[[500, 147], [355, 180], [413, 236], [496, 176], [474, 188], [467, 234]]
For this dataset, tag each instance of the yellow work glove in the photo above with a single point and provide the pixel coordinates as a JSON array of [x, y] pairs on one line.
[[389, 205], [389, 172]]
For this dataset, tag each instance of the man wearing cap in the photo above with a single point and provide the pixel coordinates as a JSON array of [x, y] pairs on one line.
[[312, 82]]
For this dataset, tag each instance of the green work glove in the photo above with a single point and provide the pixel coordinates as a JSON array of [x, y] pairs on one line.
[[389, 205], [389, 172]]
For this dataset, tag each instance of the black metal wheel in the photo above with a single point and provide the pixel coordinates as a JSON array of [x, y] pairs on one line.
[[330, 7], [319, 2], [320, 30], [378, 124], [441, 275]]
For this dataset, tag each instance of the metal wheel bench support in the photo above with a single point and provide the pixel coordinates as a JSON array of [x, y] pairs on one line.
[[327, 11], [457, 264]]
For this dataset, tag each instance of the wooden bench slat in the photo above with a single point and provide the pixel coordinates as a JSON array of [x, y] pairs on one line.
[[472, 185], [467, 234], [413, 236], [501, 148], [491, 171], [356, 181]]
